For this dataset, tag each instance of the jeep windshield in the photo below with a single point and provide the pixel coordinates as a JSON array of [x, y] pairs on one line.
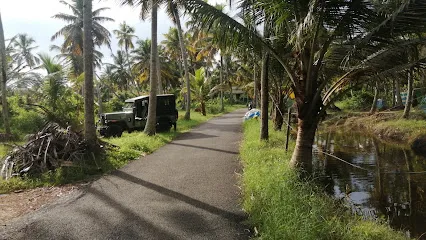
[[128, 106]]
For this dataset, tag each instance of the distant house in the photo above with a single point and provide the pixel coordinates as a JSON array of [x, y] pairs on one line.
[[239, 95]]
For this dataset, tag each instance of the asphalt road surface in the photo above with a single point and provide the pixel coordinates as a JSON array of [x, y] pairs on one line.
[[185, 190]]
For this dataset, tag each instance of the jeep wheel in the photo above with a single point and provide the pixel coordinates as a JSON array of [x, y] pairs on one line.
[[115, 131], [165, 127], [119, 133]]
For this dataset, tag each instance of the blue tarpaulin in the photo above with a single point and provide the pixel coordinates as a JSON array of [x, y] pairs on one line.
[[254, 113]]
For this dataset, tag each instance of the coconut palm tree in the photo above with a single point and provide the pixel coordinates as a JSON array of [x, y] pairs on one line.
[[119, 70], [73, 32], [200, 88], [173, 9], [172, 46], [22, 44], [125, 35], [309, 36], [141, 56], [89, 26], [3, 79], [54, 79]]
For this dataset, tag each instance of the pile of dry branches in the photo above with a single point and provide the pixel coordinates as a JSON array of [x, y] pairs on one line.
[[49, 149]]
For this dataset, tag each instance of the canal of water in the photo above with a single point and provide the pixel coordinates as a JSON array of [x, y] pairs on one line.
[[377, 181]]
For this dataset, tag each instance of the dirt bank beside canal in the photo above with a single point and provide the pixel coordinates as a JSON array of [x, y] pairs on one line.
[[386, 126]]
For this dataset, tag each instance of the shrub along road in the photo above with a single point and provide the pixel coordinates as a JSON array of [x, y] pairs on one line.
[[184, 190]]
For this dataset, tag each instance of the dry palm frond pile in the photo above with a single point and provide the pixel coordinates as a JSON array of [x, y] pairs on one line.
[[46, 150]]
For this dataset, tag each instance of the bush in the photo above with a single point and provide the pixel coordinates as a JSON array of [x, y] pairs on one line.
[[213, 106], [361, 100], [24, 120]]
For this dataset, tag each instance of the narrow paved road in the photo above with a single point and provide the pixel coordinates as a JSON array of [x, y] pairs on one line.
[[185, 190]]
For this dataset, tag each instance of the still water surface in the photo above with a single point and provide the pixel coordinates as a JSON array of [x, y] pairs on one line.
[[388, 183]]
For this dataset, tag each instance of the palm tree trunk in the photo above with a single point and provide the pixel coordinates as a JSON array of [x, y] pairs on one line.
[[203, 108], [255, 95], [231, 98], [398, 94], [278, 118], [393, 93], [101, 109], [231, 93], [222, 107], [160, 84], [302, 154], [3, 80], [376, 94], [184, 60], [89, 113], [264, 131], [151, 122], [409, 94]]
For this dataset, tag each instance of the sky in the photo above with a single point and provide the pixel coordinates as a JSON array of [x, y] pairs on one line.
[[34, 17]]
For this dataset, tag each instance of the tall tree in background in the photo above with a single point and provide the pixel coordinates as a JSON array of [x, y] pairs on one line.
[[89, 113], [125, 35], [54, 80], [22, 44], [409, 100], [3, 79], [373, 108], [73, 32], [141, 57], [172, 47], [120, 74], [176, 19], [151, 122]]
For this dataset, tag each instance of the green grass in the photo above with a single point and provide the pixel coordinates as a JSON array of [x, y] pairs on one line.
[[130, 147], [6, 147], [281, 206], [3, 150]]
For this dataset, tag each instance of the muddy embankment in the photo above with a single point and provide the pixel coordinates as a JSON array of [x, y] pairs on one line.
[[387, 126]]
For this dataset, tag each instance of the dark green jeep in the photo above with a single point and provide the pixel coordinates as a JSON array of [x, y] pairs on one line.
[[134, 114]]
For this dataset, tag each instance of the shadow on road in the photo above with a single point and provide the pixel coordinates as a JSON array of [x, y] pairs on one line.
[[223, 127], [179, 196], [190, 222], [195, 135], [130, 216], [205, 148]]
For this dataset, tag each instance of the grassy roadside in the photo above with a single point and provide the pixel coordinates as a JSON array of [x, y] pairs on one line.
[[281, 206], [388, 126], [3, 150], [130, 147]]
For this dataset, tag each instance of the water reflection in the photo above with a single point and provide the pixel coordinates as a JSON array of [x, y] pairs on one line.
[[386, 184]]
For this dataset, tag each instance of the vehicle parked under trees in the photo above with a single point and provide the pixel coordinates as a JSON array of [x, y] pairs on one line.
[[135, 113]]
